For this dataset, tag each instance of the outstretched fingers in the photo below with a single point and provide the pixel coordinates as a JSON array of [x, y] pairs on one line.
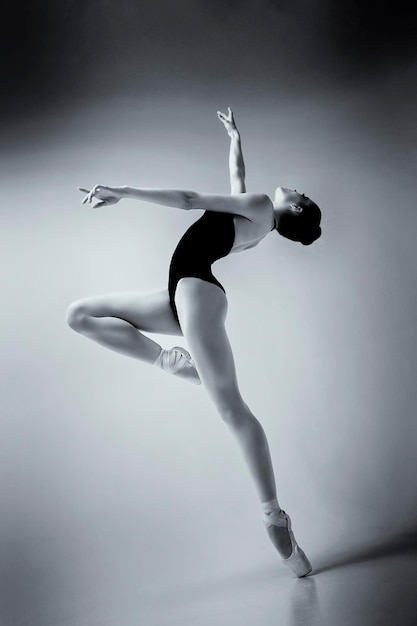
[[90, 194], [99, 204], [87, 191], [224, 117]]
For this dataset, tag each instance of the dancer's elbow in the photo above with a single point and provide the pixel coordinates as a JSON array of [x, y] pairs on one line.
[[189, 200]]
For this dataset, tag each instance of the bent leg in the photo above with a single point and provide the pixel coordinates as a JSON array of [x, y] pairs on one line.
[[115, 321]]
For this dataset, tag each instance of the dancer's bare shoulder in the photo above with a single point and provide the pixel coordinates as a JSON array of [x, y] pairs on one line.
[[247, 205], [249, 231]]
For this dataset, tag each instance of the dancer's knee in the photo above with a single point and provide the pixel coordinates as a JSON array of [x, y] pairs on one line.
[[77, 314], [231, 407]]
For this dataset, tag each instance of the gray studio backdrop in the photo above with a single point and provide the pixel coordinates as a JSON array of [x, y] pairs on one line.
[[107, 461], [119, 482]]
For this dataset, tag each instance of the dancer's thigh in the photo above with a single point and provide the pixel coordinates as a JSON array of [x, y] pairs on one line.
[[148, 311], [202, 310]]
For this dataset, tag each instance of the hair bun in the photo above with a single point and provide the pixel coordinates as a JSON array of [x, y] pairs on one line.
[[311, 236]]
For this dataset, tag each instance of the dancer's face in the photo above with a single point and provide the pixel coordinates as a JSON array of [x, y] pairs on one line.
[[284, 199], [286, 204], [296, 216]]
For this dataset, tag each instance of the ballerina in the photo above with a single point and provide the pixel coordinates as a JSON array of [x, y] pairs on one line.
[[194, 305]]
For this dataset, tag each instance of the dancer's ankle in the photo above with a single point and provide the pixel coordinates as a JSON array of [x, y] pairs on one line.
[[160, 358], [271, 506], [178, 361]]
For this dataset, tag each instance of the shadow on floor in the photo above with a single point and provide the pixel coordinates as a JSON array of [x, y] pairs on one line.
[[239, 581], [406, 542]]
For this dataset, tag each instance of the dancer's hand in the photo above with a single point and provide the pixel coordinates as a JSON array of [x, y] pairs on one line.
[[106, 195], [228, 121]]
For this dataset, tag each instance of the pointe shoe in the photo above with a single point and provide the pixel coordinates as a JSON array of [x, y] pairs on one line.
[[297, 562], [178, 361]]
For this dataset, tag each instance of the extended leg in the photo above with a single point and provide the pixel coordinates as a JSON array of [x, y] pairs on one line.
[[202, 309]]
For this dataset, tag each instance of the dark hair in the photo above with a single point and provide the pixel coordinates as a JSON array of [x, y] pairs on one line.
[[303, 227]]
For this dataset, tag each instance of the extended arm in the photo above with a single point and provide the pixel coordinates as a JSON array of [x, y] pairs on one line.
[[236, 163], [177, 198], [245, 204]]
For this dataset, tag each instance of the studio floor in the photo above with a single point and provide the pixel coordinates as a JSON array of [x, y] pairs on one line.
[[370, 588]]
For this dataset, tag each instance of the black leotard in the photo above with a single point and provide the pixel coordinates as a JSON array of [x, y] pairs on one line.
[[210, 238]]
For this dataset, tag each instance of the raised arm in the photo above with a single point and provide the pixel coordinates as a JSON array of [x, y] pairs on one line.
[[236, 163]]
